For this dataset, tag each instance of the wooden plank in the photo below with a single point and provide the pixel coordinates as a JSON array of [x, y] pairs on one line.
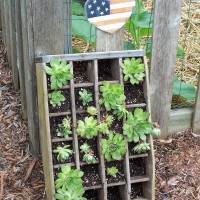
[[102, 192], [167, 16], [196, 117], [7, 31], [93, 56], [3, 20], [126, 191], [74, 122], [180, 120], [20, 59], [45, 131], [15, 71], [109, 42], [149, 187], [42, 34], [0, 16], [67, 16]]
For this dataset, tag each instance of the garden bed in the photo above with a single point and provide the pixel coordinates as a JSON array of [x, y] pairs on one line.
[[133, 168]]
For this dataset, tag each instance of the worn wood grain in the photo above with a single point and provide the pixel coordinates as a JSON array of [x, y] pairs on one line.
[[45, 135], [7, 30], [91, 56], [20, 59], [196, 117], [42, 34], [149, 187], [109, 42], [167, 16], [15, 71]]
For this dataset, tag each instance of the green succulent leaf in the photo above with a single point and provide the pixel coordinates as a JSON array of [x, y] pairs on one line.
[[64, 129], [59, 73], [69, 184], [133, 70], [56, 98], [92, 110], [88, 128], [63, 153], [114, 147], [142, 148], [112, 95], [112, 171], [85, 97], [136, 127]]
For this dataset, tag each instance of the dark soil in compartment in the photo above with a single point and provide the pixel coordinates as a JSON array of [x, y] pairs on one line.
[[65, 105], [81, 116], [91, 175], [61, 144], [104, 70], [114, 194], [54, 122], [136, 190], [119, 176], [93, 145], [78, 102], [131, 145], [80, 72], [134, 93], [117, 125], [137, 167], [91, 195]]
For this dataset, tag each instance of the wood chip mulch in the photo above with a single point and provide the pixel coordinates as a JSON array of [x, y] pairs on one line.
[[21, 175]]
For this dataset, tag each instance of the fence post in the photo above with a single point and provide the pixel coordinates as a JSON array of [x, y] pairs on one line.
[[109, 42], [196, 116], [20, 59], [13, 52], [167, 16], [42, 33]]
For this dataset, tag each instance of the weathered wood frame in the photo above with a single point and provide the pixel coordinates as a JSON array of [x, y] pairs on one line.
[[116, 57]]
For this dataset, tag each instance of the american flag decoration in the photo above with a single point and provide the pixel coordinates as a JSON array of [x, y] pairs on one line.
[[109, 16]]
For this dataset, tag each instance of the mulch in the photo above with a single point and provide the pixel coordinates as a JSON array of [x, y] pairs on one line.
[[21, 175]]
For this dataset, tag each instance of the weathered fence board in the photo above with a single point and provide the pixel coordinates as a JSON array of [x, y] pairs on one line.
[[167, 16], [15, 72], [42, 34], [109, 42], [7, 30], [196, 117], [20, 59]]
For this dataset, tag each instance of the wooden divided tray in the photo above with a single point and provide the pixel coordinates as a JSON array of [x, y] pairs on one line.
[[136, 177]]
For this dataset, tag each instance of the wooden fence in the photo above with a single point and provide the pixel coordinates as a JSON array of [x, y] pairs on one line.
[[35, 28]]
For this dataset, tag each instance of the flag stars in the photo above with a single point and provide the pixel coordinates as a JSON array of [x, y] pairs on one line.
[[103, 3], [98, 8], [89, 6], [92, 12], [101, 13], [94, 2], [106, 9]]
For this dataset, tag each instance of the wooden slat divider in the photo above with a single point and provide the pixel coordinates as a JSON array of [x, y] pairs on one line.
[[64, 164], [91, 56], [45, 135], [101, 157], [126, 160], [140, 105], [59, 114], [74, 125], [149, 187], [61, 139], [139, 179], [139, 156]]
